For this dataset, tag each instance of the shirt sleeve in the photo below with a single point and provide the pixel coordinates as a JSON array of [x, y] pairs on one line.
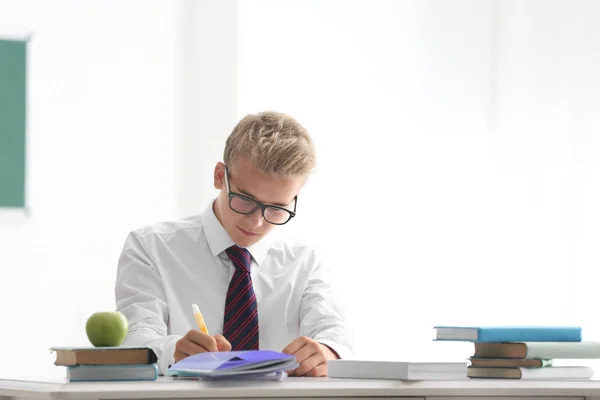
[[140, 296], [322, 318]]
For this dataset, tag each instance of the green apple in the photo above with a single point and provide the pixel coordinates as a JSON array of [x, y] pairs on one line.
[[106, 328]]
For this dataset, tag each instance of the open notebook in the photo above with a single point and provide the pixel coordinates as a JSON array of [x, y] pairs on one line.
[[251, 363]]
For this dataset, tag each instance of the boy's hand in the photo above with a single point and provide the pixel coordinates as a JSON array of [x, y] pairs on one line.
[[312, 356], [195, 342]]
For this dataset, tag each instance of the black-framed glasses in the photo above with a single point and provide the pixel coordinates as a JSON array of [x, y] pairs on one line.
[[246, 205]]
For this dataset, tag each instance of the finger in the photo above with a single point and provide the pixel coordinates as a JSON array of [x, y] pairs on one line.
[[181, 350], [309, 364], [319, 370], [178, 356], [301, 355], [202, 339], [190, 348], [295, 345], [222, 343], [306, 352]]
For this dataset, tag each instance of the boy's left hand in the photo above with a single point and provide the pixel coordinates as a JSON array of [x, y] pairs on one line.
[[312, 356]]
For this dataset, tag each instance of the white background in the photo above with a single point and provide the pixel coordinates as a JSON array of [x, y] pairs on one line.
[[458, 155]]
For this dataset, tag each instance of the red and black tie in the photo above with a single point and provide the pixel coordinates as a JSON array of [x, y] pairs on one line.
[[240, 323]]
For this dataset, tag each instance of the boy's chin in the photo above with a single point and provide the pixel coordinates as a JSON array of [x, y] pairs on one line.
[[246, 242], [243, 240]]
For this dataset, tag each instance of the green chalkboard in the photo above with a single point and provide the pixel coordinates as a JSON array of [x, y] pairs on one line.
[[13, 79]]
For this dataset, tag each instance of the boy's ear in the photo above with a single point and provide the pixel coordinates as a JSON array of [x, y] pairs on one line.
[[219, 176]]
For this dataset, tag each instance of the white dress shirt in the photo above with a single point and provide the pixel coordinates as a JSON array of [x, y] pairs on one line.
[[165, 268]]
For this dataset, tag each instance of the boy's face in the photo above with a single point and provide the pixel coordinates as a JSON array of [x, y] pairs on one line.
[[245, 179]]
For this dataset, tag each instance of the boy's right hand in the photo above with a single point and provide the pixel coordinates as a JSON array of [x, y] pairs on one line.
[[195, 342]]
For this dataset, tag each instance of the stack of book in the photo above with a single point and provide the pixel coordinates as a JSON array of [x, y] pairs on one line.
[[120, 363], [524, 352]]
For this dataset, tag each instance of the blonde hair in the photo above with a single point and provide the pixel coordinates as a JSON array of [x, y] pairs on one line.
[[275, 143]]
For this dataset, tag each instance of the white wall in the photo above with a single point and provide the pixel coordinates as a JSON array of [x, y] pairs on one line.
[[548, 146], [458, 156], [209, 93], [100, 163]]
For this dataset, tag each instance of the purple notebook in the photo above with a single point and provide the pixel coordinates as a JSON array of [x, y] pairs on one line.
[[233, 363]]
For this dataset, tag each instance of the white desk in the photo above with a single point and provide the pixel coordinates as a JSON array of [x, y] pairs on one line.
[[303, 388]]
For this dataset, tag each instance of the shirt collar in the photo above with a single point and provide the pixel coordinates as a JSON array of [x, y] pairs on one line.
[[218, 239]]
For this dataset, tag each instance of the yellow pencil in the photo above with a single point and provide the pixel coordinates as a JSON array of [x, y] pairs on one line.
[[199, 319]]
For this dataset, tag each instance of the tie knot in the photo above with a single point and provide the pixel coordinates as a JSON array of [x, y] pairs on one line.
[[240, 257]]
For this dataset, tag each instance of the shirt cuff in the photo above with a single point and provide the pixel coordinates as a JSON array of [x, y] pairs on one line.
[[342, 351], [166, 358]]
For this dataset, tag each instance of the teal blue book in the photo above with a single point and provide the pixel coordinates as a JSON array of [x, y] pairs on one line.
[[509, 333], [96, 373]]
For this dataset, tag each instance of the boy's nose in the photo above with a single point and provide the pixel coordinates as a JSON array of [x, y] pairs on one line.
[[256, 219]]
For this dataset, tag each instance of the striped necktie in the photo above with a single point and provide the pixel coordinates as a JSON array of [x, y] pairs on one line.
[[240, 323]]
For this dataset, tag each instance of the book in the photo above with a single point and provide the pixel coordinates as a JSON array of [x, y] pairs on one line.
[[91, 373], [531, 373], [233, 364], [543, 350], [118, 355], [358, 369], [509, 333], [508, 362]]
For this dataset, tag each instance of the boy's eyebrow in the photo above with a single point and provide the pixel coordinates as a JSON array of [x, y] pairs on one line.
[[254, 198]]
